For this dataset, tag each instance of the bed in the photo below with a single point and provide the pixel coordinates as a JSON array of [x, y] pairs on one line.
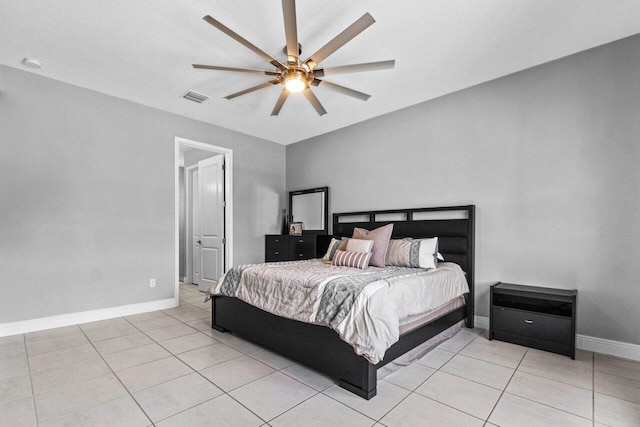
[[320, 347]]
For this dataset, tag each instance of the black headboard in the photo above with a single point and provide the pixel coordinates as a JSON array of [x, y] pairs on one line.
[[455, 232]]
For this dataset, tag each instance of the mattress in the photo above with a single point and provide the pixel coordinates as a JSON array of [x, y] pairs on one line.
[[409, 323]]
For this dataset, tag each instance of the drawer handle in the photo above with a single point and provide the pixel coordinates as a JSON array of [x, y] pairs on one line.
[[300, 241], [300, 254], [529, 322], [277, 253], [276, 240]]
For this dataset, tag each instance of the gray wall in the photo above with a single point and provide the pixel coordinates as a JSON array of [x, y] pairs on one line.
[[87, 197], [550, 156], [192, 157]]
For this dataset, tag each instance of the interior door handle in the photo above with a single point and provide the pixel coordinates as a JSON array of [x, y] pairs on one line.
[[199, 241]]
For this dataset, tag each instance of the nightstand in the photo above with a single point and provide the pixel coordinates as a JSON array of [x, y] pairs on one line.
[[542, 318]]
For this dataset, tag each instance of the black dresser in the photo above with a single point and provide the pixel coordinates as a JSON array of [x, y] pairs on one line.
[[542, 318], [292, 248]]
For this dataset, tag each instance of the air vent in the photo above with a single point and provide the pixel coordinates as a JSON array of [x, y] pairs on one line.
[[195, 96]]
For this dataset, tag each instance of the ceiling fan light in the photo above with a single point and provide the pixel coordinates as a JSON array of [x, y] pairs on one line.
[[295, 84], [295, 80]]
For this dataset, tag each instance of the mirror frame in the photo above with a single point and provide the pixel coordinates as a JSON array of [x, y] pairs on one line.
[[325, 191]]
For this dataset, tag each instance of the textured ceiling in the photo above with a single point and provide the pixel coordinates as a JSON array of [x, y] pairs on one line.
[[143, 50]]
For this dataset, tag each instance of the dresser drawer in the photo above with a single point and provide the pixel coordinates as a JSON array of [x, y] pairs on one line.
[[531, 324], [302, 247], [276, 254], [277, 242]]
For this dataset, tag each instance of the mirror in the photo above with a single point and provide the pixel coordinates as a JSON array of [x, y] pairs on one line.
[[310, 207]]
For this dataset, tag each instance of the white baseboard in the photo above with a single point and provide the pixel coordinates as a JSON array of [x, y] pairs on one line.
[[585, 342], [481, 322], [42, 323], [614, 348]]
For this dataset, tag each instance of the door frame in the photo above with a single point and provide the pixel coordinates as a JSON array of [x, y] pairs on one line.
[[228, 209], [189, 223]]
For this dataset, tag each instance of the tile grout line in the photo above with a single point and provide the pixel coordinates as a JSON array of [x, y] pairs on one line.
[[119, 380], [540, 403], [410, 391], [310, 397], [470, 357], [224, 392], [297, 404], [593, 390], [353, 409], [444, 372], [33, 396], [170, 355], [504, 390]]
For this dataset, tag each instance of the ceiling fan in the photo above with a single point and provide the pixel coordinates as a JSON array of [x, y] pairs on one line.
[[297, 75]]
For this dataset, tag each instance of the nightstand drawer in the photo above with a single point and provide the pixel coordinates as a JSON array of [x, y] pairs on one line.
[[530, 324], [276, 254], [277, 242]]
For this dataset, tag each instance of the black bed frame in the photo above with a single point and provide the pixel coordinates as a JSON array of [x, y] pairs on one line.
[[320, 347]]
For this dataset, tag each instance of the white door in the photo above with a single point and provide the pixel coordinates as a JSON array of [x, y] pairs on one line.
[[210, 224]]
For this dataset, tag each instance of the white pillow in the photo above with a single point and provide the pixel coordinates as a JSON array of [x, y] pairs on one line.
[[359, 245], [427, 253]]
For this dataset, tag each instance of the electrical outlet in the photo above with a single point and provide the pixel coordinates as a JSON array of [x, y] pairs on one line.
[[152, 283]]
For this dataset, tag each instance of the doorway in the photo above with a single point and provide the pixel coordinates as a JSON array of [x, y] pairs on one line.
[[206, 242], [204, 231]]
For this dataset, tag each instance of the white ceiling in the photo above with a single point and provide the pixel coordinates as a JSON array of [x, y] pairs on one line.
[[142, 50]]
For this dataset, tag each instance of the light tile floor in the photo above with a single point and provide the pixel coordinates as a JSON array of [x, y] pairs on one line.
[[169, 368]]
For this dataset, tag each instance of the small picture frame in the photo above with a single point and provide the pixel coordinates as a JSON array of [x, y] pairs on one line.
[[295, 229]]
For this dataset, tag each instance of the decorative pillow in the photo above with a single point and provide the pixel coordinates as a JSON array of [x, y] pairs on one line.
[[359, 245], [343, 245], [351, 259], [427, 253], [422, 253], [399, 252], [380, 237], [331, 251]]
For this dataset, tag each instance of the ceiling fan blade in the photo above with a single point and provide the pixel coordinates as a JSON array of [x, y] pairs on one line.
[[340, 40], [252, 89], [311, 97], [290, 29], [243, 41], [240, 70], [280, 102], [341, 89], [355, 68]]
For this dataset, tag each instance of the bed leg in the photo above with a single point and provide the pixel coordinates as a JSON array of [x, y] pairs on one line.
[[469, 322], [213, 316], [357, 390], [368, 382], [213, 320], [219, 328]]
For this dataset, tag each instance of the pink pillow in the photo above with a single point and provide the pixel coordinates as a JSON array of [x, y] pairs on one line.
[[351, 259], [380, 237]]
